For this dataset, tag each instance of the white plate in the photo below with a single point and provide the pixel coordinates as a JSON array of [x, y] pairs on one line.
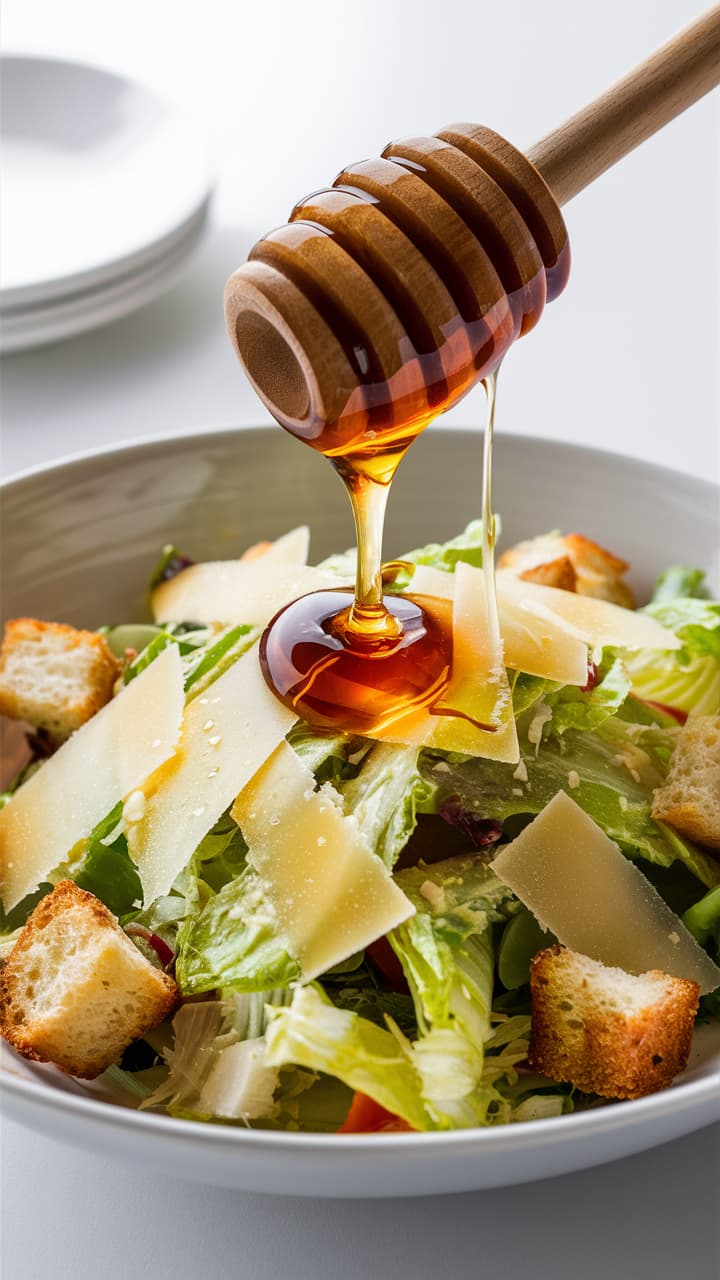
[[83, 557], [66, 316], [100, 176]]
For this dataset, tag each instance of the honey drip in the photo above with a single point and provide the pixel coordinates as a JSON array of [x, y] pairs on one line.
[[357, 661]]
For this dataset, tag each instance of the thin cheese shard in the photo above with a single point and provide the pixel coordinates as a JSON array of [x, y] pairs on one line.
[[227, 734], [110, 756], [542, 646], [478, 693], [233, 591], [292, 548], [596, 621], [332, 895], [579, 885]]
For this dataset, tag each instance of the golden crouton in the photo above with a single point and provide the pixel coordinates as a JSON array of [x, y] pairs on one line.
[[606, 1031], [54, 676], [75, 990], [572, 563], [690, 796]]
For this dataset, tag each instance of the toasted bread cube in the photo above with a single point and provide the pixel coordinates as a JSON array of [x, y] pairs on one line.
[[689, 799], [54, 676], [75, 990], [571, 562], [606, 1031], [558, 573]]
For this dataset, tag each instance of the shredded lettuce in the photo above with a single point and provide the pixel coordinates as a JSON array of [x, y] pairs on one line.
[[686, 678], [314, 1034], [201, 1032]]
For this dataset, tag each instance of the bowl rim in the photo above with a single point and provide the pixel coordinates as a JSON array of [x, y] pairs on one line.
[[219, 435], [686, 1096]]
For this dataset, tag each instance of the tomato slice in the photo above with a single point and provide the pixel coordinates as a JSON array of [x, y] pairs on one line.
[[367, 1116]]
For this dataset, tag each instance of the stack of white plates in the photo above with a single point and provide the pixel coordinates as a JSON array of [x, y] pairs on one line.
[[104, 193]]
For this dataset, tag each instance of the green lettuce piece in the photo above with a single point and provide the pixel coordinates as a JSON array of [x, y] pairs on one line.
[[361, 994], [171, 561], [680, 580], [234, 941], [106, 868], [522, 938], [386, 796], [703, 919], [574, 708], [203, 666], [332, 757], [527, 690], [314, 1034], [447, 956], [467, 546], [686, 678], [130, 635], [205, 653], [595, 770], [446, 947]]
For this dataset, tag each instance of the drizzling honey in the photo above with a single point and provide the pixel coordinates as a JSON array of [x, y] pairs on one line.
[[382, 302], [359, 661]]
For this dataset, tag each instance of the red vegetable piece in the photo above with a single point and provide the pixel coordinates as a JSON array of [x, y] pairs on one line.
[[367, 1116], [382, 956]]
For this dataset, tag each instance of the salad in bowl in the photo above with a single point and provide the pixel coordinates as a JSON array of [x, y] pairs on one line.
[[236, 917]]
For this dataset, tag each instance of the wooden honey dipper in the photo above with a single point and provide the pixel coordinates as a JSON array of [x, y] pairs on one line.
[[379, 304], [391, 293]]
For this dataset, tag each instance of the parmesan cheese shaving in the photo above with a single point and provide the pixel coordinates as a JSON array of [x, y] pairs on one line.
[[542, 646], [212, 766], [104, 761], [478, 693], [596, 901], [596, 621], [331, 894], [292, 547], [234, 591]]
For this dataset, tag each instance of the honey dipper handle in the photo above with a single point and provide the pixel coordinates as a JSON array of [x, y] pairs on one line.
[[634, 108]]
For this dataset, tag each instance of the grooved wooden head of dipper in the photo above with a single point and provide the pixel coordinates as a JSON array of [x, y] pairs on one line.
[[391, 293]]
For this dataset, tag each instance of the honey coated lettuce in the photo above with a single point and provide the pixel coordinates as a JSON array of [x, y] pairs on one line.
[[466, 919]]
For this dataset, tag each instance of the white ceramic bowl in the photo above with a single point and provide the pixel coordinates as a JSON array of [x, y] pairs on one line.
[[78, 541]]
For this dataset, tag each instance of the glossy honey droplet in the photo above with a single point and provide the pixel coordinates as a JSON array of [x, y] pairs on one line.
[[350, 680]]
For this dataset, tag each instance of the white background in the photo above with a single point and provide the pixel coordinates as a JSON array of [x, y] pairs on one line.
[[625, 360]]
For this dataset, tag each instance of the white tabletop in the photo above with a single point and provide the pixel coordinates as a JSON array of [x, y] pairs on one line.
[[289, 92]]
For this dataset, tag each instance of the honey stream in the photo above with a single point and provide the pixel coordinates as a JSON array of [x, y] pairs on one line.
[[358, 661]]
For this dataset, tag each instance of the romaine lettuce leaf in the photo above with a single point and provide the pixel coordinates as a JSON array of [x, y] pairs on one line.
[[332, 757], [574, 708], [686, 678], [234, 942], [107, 869], [467, 546], [313, 1033], [602, 773], [386, 796]]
